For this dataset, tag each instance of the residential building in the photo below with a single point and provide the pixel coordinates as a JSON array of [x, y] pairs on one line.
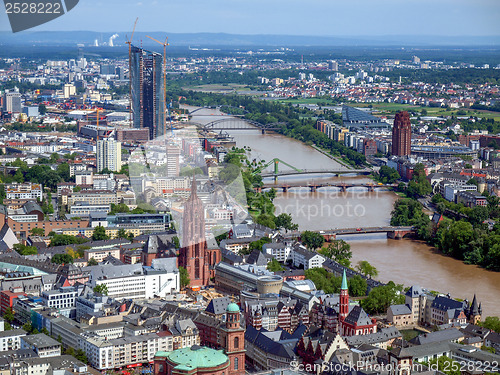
[[109, 155], [11, 340], [301, 257], [43, 345]]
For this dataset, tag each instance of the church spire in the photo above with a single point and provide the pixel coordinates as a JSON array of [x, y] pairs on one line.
[[193, 187], [344, 282]]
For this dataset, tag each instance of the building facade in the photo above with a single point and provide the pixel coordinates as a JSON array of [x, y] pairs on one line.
[[401, 134]]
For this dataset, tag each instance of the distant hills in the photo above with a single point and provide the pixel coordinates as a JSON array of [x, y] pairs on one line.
[[211, 40]]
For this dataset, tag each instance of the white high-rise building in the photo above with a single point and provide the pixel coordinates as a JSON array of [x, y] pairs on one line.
[[109, 155], [12, 102]]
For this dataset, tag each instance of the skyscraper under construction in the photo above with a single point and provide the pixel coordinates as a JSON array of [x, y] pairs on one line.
[[146, 78]]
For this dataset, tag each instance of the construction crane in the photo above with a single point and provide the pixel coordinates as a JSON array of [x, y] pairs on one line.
[[129, 42], [164, 44]]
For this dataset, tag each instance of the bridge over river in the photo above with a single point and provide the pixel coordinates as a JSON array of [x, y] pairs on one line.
[[314, 186], [330, 235]]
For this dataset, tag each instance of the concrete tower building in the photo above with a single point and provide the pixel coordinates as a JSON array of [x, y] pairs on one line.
[[233, 340], [401, 134], [193, 253], [109, 155]]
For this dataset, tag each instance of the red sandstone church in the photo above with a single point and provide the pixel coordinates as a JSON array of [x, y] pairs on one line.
[[194, 255]]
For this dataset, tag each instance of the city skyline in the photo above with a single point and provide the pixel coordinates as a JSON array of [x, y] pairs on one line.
[[422, 18]]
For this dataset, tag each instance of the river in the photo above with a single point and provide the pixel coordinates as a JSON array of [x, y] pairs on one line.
[[402, 261]]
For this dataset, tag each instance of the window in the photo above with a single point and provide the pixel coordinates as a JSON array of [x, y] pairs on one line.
[[236, 363], [236, 342]]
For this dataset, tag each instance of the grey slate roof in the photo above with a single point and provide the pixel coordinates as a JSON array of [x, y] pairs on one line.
[[444, 335], [382, 335], [218, 306], [400, 309], [358, 316]]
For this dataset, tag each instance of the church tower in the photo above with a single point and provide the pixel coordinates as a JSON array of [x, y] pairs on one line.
[[233, 340], [192, 255], [474, 312], [344, 298]]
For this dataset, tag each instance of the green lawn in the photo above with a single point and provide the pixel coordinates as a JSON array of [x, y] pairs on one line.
[[409, 334]]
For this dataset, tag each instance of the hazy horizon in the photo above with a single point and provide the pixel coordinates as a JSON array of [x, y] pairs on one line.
[[321, 18]]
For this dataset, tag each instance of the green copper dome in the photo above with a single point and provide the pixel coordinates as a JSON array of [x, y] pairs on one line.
[[233, 307], [197, 357]]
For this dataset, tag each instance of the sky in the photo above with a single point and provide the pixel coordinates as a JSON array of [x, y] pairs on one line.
[[284, 17]]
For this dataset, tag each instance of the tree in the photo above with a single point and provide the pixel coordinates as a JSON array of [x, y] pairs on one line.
[[121, 233], [388, 175], [184, 276], [42, 109], [65, 239], [81, 356], [255, 245], [8, 315], [312, 240], [491, 322], [37, 231], [99, 234], [446, 365], [101, 289], [285, 221], [339, 251], [478, 214], [176, 242], [366, 269], [274, 266], [25, 250], [92, 262], [381, 297], [357, 286], [62, 259]]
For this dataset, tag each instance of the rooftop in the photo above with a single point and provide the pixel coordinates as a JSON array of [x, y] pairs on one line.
[[195, 357]]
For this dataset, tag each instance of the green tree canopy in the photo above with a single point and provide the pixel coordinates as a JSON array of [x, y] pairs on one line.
[[274, 266], [366, 269], [101, 289], [339, 251], [184, 277], [25, 250], [312, 240], [99, 234], [62, 259]]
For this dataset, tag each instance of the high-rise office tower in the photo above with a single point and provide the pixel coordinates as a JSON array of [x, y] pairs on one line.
[[193, 253], [401, 134], [109, 155], [12, 102], [172, 163], [148, 107]]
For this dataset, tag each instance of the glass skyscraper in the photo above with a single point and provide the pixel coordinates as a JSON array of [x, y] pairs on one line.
[[148, 108]]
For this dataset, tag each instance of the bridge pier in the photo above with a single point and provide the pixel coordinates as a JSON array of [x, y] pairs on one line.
[[370, 188], [397, 234], [263, 131], [343, 188], [285, 189], [313, 189]]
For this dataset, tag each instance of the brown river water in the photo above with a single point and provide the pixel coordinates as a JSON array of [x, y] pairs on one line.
[[402, 261]]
